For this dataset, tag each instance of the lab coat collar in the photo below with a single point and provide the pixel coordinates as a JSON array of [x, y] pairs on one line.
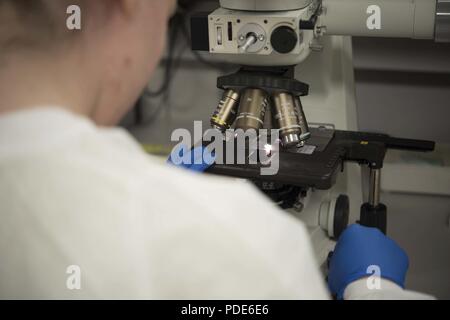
[[37, 127]]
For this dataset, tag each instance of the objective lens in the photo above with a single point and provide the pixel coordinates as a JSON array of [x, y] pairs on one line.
[[225, 113], [252, 109], [306, 134], [286, 116]]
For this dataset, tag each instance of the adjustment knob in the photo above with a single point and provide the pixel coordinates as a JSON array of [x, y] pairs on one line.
[[334, 216], [284, 39]]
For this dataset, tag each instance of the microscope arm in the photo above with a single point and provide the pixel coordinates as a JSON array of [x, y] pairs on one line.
[[417, 19]]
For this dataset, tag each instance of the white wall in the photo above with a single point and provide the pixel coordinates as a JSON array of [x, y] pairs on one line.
[[403, 87]]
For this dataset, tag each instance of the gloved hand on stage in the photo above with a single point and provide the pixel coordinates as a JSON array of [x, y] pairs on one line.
[[198, 159]]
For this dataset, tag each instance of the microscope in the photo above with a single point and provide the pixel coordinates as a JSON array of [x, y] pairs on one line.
[[267, 40]]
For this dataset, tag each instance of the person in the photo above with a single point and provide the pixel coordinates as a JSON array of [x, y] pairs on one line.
[[86, 214]]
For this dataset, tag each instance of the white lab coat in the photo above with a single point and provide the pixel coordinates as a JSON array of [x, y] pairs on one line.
[[85, 206]]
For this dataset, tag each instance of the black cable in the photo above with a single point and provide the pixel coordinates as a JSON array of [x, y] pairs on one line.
[[164, 101], [173, 36], [171, 66]]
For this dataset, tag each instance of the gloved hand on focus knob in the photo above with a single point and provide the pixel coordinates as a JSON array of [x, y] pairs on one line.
[[358, 252], [198, 159]]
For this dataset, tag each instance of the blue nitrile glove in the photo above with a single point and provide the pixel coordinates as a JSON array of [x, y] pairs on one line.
[[359, 248], [198, 159]]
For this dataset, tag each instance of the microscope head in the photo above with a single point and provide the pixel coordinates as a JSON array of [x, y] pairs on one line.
[[257, 33], [265, 5], [274, 33]]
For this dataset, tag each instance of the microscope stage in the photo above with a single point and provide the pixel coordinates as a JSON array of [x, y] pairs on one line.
[[317, 164], [314, 165]]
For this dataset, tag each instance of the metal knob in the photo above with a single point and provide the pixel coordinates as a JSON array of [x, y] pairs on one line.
[[252, 38]]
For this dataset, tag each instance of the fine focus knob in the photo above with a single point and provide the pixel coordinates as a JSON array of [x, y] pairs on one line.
[[284, 39]]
